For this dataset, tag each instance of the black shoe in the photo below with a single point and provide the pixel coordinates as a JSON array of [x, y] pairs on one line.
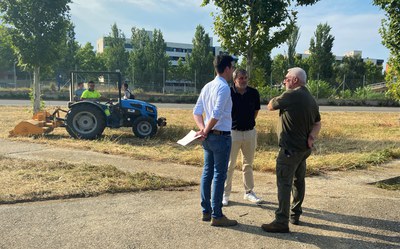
[[274, 227], [294, 220], [206, 217]]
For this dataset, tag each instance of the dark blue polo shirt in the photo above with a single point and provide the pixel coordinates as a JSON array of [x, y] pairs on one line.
[[244, 108]]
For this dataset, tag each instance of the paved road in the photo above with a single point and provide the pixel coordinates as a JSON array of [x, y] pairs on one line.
[[4, 102], [341, 210]]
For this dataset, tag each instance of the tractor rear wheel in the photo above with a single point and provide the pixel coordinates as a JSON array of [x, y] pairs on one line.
[[144, 127], [85, 122]]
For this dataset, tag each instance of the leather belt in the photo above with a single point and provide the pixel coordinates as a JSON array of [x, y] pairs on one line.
[[217, 132], [243, 129]]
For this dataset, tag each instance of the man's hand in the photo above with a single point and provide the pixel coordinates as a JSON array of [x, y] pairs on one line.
[[269, 106], [313, 134], [310, 141], [202, 135]]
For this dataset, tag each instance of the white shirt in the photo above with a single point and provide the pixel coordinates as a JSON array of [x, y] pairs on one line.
[[215, 101]]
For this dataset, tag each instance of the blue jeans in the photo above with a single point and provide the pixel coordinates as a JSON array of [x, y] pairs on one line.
[[216, 158]]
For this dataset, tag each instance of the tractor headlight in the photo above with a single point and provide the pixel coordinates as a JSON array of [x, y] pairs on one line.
[[149, 109]]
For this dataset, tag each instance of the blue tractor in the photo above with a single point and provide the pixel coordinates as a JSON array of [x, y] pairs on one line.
[[88, 119]]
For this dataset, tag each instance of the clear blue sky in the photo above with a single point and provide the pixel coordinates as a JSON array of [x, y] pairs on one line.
[[355, 23]]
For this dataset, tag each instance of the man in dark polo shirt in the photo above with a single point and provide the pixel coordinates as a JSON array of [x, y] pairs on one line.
[[246, 104], [299, 125]]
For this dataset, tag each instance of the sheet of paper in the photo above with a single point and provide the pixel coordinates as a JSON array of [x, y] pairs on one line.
[[188, 138]]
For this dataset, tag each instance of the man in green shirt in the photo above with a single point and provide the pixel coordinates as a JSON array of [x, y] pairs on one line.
[[299, 125], [90, 93]]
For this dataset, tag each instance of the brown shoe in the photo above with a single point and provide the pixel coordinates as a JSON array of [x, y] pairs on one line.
[[223, 222], [206, 217], [274, 227]]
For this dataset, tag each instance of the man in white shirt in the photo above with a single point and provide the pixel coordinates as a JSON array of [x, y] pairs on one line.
[[215, 130]]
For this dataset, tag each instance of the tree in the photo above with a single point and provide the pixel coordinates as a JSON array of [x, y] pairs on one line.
[[352, 70], [200, 61], [292, 44], [263, 65], [138, 58], [157, 57], [279, 68], [68, 61], [373, 73], [390, 32], [179, 72], [302, 62], [148, 59], [87, 60], [38, 31], [252, 28], [321, 58], [393, 79], [7, 56], [115, 56]]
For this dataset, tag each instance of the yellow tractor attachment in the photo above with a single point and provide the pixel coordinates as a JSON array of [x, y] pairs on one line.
[[42, 122]]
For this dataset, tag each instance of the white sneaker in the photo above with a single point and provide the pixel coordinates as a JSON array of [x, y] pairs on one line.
[[225, 200], [252, 197]]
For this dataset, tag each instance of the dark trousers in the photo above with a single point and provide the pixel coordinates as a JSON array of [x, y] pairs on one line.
[[290, 174]]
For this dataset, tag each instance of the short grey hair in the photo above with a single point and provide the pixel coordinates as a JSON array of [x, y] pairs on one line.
[[239, 71], [299, 73]]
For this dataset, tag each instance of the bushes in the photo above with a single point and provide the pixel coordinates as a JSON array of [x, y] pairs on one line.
[[320, 89], [346, 94], [368, 94], [268, 92]]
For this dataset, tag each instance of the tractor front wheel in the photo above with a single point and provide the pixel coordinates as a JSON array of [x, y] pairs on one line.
[[144, 127]]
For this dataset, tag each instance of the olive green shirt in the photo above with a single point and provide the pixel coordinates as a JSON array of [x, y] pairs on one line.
[[298, 112]]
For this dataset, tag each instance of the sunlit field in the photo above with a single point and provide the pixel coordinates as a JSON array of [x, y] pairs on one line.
[[347, 140]]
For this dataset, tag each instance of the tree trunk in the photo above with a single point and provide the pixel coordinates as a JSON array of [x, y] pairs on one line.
[[252, 32], [36, 89], [249, 66]]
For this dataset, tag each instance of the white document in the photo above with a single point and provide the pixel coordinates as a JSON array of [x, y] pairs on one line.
[[188, 138]]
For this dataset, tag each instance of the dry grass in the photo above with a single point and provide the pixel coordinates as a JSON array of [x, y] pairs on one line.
[[347, 140], [389, 184], [22, 180]]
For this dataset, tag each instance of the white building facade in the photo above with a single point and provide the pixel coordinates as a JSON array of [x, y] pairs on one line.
[[338, 58], [174, 50]]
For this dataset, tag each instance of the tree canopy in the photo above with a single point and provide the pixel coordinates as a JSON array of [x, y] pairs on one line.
[[291, 42], [352, 70], [200, 61], [252, 28], [6, 53], [87, 60], [148, 59], [38, 31], [390, 32], [38, 28], [115, 56], [321, 58]]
